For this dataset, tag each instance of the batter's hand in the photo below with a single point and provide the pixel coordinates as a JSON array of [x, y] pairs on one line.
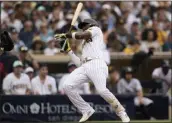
[[67, 47], [58, 36], [64, 43]]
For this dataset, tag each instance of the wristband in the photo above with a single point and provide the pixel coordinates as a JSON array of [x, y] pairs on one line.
[[73, 35]]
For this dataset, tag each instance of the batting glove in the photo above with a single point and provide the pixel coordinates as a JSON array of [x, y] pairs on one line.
[[58, 36], [64, 44]]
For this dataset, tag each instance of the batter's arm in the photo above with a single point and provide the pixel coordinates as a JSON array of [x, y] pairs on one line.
[[76, 60], [79, 35]]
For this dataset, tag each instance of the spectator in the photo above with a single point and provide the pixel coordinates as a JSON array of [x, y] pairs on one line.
[[163, 75], [17, 42], [51, 49], [2, 76], [27, 33], [45, 32], [40, 16], [131, 86], [19, 11], [107, 10], [127, 15], [57, 15], [132, 48], [134, 31], [30, 72], [67, 26], [7, 60], [23, 56], [149, 37], [43, 84], [161, 34], [168, 44], [114, 44], [35, 18], [37, 46], [83, 89], [114, 77], [122, 33], [16, 83], [15, 23]]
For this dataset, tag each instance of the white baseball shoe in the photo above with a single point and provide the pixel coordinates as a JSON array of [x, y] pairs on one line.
[[86, 116], [124, 117]]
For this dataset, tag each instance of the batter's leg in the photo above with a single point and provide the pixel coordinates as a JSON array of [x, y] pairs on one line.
[[99, 81], [98, 74], [76, 78]]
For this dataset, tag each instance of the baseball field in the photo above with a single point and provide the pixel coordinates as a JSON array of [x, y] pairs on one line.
[[134, 121]]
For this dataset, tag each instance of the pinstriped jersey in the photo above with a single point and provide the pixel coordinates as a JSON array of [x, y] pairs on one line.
[[94, 46]]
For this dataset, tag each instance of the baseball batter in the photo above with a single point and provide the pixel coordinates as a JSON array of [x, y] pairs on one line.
[[91, 67]]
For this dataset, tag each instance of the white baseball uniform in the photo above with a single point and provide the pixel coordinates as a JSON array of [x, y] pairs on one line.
[[46, 88], [16, 86], [132, 87], [82, 89], [94, 70], [157, 73]]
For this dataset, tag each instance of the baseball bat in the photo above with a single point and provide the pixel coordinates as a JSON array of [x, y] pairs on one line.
[[75, 17]]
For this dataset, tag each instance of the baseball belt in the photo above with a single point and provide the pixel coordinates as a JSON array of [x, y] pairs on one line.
[[87, 59]]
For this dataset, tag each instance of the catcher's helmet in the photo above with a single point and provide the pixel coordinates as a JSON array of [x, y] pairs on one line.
[[91, 22]]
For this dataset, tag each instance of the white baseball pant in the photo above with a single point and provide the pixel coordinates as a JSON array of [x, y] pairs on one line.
[[96, 71]]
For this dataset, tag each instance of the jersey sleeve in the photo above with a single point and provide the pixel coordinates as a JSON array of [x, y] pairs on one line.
[[119, 87], [7, 85], [138, 85], [33, 88], [93, 30], [54, 87], [28, 82], [155, 73]]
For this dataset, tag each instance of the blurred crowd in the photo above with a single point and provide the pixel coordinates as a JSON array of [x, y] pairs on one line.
[[128, 27], [25, 80]]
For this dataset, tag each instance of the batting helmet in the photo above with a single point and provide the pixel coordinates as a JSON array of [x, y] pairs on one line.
[[91, 22]]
